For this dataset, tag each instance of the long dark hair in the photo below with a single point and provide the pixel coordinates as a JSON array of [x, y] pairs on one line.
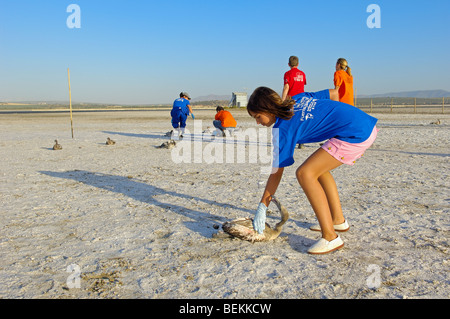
[[266, 100]]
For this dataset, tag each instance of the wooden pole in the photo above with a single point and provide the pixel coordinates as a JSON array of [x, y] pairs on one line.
[[70, 102], [371, 105], [443, 105], [391, 104], [415, 106]]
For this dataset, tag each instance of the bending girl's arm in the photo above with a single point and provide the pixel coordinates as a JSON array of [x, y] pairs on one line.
[[334, 94], [285, 92], [272, 185]]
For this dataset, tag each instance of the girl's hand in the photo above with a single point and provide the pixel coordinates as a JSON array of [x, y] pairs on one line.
[[259, 222]]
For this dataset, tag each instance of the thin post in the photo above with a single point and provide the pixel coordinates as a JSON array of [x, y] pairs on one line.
[[371, 105], [391, 103], [415, 111], [70, 102], [442, 105]]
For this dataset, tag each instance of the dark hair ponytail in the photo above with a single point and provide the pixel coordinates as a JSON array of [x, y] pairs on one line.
[[266, 100]]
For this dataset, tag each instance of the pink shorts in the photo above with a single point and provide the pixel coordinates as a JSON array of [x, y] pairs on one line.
[[346, 152]]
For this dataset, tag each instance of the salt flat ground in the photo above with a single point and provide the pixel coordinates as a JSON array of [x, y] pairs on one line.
[[134, 221]]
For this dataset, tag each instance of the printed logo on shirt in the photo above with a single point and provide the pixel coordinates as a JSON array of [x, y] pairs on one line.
[[305, 105], [298, 78]]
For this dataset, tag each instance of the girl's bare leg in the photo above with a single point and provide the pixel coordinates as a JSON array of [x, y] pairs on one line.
[[319, 186], [330, 188]]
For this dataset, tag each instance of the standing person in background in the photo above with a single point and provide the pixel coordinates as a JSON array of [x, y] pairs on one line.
[[343, 81], [180, 111], [294, 79]]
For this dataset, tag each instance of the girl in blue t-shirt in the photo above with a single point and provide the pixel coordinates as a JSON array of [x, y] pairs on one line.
[[309, 118]]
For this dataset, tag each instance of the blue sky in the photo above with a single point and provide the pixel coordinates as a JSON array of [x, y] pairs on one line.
[[146, 52]]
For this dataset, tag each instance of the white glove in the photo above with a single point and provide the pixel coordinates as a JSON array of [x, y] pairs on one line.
[[259, 222]]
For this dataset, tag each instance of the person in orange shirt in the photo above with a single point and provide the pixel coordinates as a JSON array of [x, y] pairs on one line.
[[224, 120], [343, 81]]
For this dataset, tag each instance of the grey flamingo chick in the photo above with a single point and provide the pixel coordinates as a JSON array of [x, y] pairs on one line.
[[169, 144], [243, 227], [438, 122], [57, 146]]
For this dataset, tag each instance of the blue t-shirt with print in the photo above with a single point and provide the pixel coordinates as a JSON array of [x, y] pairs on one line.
[[317, 118], [181, 104]]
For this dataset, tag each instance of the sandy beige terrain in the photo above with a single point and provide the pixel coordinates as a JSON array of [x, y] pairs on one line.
[[134, 221]]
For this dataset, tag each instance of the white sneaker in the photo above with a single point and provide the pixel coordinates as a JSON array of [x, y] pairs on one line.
[[324, 246], [340, 228]]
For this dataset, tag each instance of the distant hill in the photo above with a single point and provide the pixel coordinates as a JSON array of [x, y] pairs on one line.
[[418, 94], [217, 99], [212, 97]]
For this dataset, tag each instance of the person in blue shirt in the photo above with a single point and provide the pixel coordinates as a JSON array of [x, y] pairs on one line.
[[309, 118], [180, 111]]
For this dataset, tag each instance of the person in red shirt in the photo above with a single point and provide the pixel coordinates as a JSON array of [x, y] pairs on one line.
[[294, 79], [224, 120]]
